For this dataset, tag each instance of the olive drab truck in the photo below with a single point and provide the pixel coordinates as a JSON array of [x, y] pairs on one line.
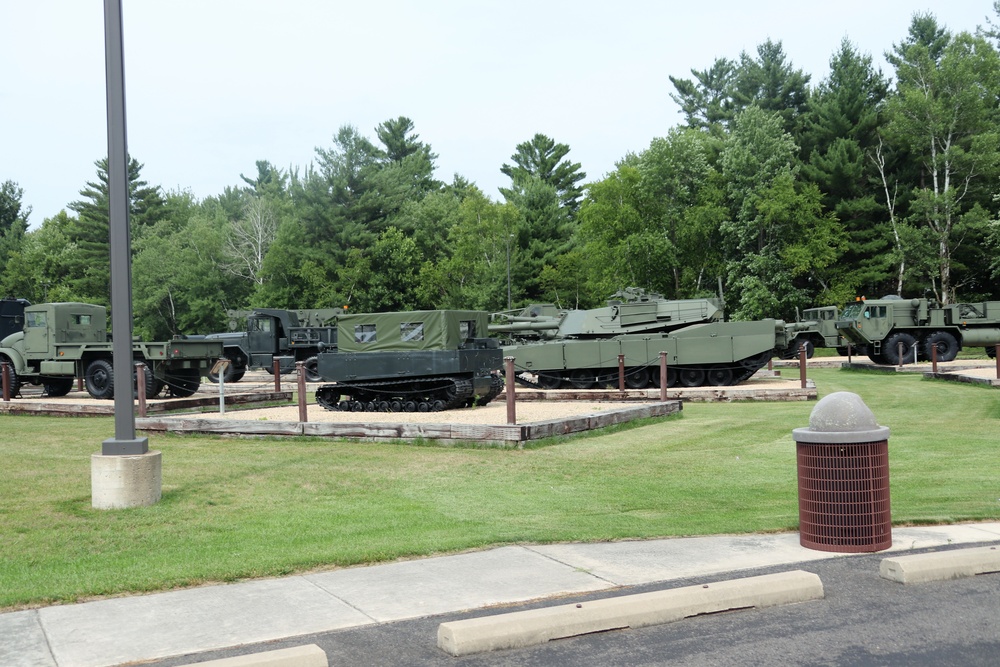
[[814, 328], [272, 334], [63, 342], [907, 330], [420, 361]]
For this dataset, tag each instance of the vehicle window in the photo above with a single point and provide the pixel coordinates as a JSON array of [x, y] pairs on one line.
[[852, 311], [36, 319], [261, 324], [411, 331], [364, 333], [82, 320], [467, 329]]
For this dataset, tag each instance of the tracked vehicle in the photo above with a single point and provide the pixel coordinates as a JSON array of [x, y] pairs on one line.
[[421, 361], [712, 353]]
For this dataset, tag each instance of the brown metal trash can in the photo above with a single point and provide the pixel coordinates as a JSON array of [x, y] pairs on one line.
[[843, 477]]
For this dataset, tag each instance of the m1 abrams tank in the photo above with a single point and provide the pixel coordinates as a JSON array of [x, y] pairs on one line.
[[712, 353], [421, 361], [629, 311]]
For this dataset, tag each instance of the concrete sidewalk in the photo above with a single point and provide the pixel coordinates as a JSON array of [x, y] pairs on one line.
[[121, 630]]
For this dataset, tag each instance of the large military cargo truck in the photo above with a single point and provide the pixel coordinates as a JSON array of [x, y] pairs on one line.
[[814, 328], [416, 361], [272, 334], [905, 330], [62, 342]]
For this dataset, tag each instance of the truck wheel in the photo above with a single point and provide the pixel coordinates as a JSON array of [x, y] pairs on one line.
[[13, 382], [99, 379], [946, 344], [152, 388], [890, 349], [58, 386], [229, 376], [312, 370], [183, 382]]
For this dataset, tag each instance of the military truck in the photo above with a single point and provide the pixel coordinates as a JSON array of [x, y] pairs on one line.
[[906, 330], [288, 336], [62, 342], [817, 327], [419, 361], [631, 310]]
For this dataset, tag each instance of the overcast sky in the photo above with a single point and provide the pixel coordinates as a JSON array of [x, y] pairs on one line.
[[214, 85]]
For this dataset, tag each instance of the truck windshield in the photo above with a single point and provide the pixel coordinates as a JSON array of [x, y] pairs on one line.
[[35, 319], [852, 311]]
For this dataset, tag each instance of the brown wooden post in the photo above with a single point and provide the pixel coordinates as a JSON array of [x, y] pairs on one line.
[[300, 368], [849, 350], [621, 373], [511, 410], [770, 364], [663, 375], [899, 351], [934, 359], [79, 384], [276, 367], [140, 386], [996, 351], [6, 380], [802, 365]]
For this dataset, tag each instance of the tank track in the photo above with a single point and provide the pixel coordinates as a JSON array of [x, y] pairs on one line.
[[743, 370], [496, 386], [412, 395]]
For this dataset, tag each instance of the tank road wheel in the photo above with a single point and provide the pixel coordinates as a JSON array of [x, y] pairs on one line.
[[720, 377], [890, 349], [637, 378], [99, 379], [671, 377], [581, 378], [549, 380], [946, 344], [691, 377], [58, 386], [312, 370], [183, 382]]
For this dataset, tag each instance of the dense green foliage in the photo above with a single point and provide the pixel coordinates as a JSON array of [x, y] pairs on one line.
[[776, 192]]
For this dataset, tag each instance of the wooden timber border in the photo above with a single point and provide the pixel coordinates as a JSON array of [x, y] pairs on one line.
[[65, 407], [505, 434], [691, 395], [971, 379]]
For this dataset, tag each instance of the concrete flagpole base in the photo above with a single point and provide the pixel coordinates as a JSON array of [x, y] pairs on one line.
[[122, 481]]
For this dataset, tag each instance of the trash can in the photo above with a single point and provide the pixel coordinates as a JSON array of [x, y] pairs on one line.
[[843, 470]]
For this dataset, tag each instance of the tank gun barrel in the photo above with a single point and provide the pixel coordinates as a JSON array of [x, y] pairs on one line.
[[524, 324]]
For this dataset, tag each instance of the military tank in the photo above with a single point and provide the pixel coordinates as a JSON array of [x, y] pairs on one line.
[[420, 361], [628, 311], [710, 353]]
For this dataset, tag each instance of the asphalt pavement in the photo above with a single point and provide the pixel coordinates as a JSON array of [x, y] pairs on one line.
[[388, 614]]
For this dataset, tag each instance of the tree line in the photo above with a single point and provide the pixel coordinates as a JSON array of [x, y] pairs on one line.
[[773, 193]]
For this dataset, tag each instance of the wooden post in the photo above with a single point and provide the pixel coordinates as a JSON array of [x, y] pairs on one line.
[[276, 367], [663, 375], [621, 373], [802, 365], [79, 384], [996, 351], [300, 368], [934, 359], [849, 352], [899, 351], [140, 386], [511, 410], [6, 380]]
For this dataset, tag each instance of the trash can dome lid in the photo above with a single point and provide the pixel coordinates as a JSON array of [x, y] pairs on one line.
[[844, 413]]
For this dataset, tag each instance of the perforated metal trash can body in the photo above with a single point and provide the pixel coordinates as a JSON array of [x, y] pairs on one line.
[[843, 478]]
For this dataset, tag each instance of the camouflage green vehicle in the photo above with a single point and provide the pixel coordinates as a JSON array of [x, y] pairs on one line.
[[817, 327], [62, 342], [906, 330], [711, 353], [420, 361], [631, 310]]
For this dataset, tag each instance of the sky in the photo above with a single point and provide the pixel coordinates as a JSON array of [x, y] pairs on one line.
[[212, 86]]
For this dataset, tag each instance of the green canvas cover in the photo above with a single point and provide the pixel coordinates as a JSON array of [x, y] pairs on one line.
[[415, 330]]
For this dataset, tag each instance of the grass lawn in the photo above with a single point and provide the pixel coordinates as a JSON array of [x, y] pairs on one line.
[[240, 508]]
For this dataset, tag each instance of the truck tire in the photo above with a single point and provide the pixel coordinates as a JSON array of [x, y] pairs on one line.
[[184, 382], [890, 349], [152, 388], [99, 379], [230, 374], [946, 344], [14, 382], [312, 370]]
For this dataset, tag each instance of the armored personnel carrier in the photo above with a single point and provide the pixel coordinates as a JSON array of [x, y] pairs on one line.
[[419, 361]]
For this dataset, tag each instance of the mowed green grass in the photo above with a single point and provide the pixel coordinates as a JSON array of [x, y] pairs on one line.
[[240, 508]]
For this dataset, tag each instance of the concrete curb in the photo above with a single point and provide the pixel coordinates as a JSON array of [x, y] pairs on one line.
[[310, 655], [536, 626], [940, 565]]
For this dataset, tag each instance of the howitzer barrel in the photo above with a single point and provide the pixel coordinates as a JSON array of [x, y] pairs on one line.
[[523, 325]]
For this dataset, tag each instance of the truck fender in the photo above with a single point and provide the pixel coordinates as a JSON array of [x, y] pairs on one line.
[[15, 358]]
